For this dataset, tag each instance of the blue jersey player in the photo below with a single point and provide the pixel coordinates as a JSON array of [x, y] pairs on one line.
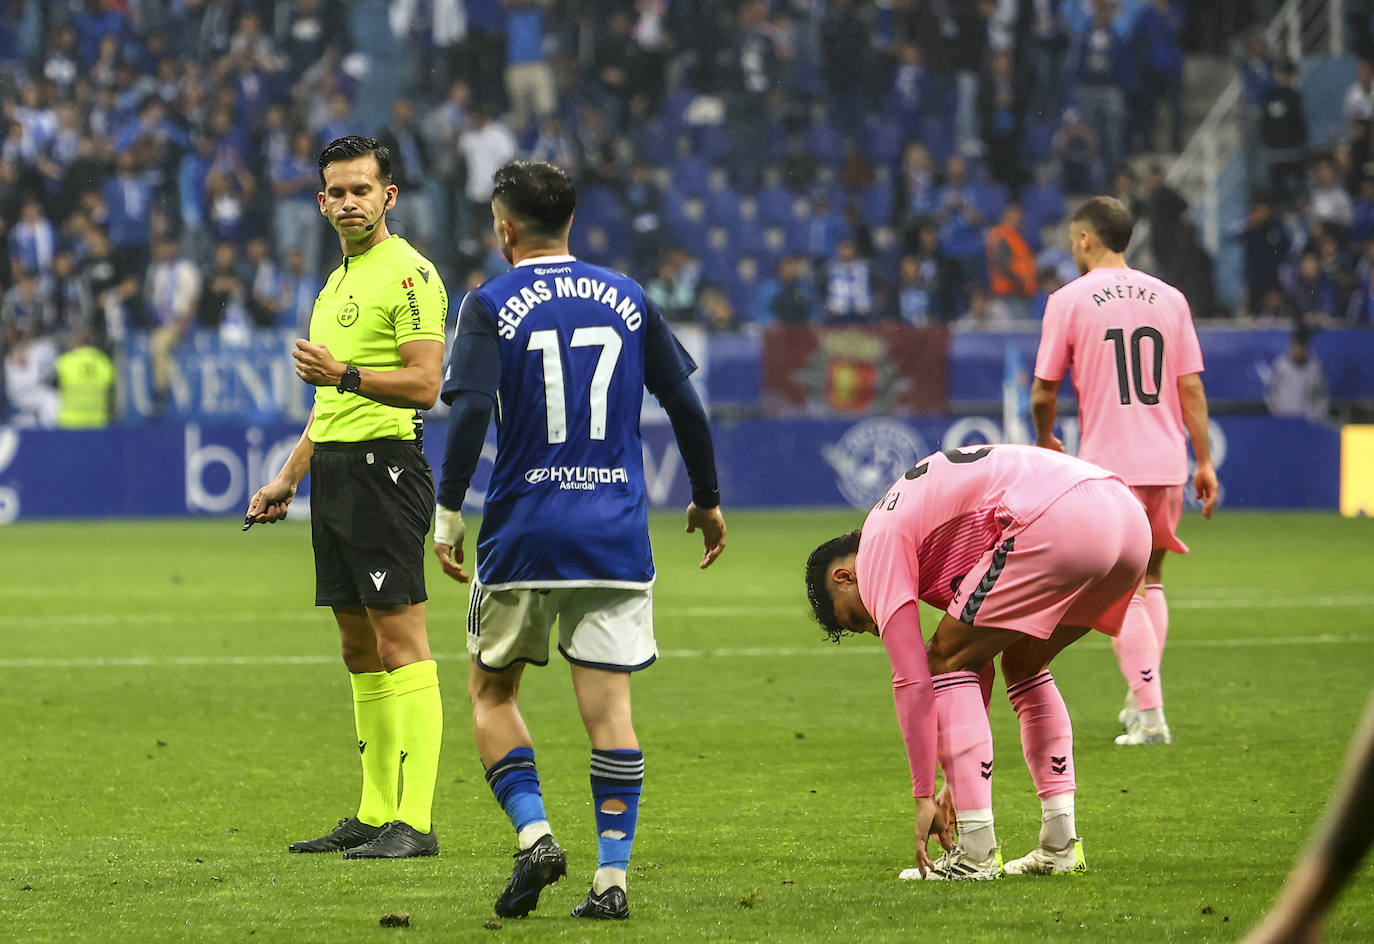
[[562, 350]]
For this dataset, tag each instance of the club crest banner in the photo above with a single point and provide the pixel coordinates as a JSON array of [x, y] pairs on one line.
[[854, 370]]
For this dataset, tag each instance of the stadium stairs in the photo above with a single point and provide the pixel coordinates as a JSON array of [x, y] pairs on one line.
[[1210, 172]]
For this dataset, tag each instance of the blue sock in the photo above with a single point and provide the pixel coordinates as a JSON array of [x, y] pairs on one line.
[[616, 775], [515, 782]]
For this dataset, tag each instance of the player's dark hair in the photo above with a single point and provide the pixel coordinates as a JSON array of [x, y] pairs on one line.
[[1109, 219], [351, 146], [818, 573], [538, 193]]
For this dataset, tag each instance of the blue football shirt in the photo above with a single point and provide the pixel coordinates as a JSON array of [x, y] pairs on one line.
[[566, 349]]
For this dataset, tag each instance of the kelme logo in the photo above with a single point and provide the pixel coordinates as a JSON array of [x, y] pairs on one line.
[[348, 314]]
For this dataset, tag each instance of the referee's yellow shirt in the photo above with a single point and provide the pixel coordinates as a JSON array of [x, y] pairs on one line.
[[368, 308]]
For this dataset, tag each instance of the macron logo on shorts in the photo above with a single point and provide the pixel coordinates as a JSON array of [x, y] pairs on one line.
[[395, 472], [378, 578]]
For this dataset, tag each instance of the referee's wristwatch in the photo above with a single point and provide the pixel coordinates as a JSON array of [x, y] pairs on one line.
[[350, 381]]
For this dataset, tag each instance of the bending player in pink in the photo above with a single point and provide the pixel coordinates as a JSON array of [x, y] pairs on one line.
[[1129, 341], [1024, 550]]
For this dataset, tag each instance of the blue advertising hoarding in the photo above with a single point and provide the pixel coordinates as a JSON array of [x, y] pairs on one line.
[[171, 468]]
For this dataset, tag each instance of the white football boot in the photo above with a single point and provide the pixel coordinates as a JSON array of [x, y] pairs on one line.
[[957, 866], [1043, 861], [1138, 733], [1125, 715]]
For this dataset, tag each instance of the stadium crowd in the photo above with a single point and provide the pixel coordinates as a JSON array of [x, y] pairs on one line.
[[754, 161], [1308, 236]]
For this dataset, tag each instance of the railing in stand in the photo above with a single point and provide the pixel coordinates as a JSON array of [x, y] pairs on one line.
[[1300, 27]]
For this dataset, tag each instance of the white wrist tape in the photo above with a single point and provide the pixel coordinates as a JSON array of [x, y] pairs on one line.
[[448, 526]]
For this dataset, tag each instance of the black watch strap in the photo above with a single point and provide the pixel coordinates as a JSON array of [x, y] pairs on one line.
[[350, 381]]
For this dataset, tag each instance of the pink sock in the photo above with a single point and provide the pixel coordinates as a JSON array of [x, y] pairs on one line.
[[964, 739], [1158, 608], [1137, 653], [1046, 734], [985, 680]]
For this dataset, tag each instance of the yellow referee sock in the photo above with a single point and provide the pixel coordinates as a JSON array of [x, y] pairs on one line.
[[379, 743], [421, 714]]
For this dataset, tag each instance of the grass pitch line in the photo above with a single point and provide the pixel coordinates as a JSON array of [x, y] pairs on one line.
[[742, 652], [1224, 599], [1270, 603], [139, 662], [1261, 642]]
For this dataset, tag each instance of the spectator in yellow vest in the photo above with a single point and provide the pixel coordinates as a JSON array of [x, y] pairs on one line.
[[85, 383]]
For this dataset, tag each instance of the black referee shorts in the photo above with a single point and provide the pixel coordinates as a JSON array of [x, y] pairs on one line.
[[370, 509]]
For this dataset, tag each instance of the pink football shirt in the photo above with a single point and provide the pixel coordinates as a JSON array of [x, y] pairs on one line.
[[1126, 337], [938, 519]]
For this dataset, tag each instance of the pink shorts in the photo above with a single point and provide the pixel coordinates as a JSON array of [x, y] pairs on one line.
[[1164, 507], [1077, 564]]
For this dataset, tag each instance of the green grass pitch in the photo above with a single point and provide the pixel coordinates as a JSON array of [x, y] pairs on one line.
[[174, 712]]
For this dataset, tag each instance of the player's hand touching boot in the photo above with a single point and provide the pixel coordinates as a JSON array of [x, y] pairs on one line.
[[929, 821], [942, 827]]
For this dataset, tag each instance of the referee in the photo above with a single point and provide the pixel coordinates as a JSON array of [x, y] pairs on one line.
[[374, 356]]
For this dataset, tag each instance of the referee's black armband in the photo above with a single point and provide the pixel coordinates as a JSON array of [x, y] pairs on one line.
[[693, 435]]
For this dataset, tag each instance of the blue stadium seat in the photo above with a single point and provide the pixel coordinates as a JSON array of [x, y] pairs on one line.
[[889, 250], [690, 176], [775, 205], [582, 243], [717, 256], [712, 142], [674, 108], [883, 141], [693, 239], [717, 266], [992, 199], [977, 167], [1042, 204], [825, 143], [722, 206], [768, 260], [687, 221], [1039, 137], [658, 140], [676, 213], [797, 236], [775, 240], [937, 134], [749, 235], [807, 76], [989, 197], [875, 203], [743, 286], [777, 145], [597, 204]]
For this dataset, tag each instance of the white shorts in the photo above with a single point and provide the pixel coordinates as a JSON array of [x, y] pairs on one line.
[[598, 627]]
